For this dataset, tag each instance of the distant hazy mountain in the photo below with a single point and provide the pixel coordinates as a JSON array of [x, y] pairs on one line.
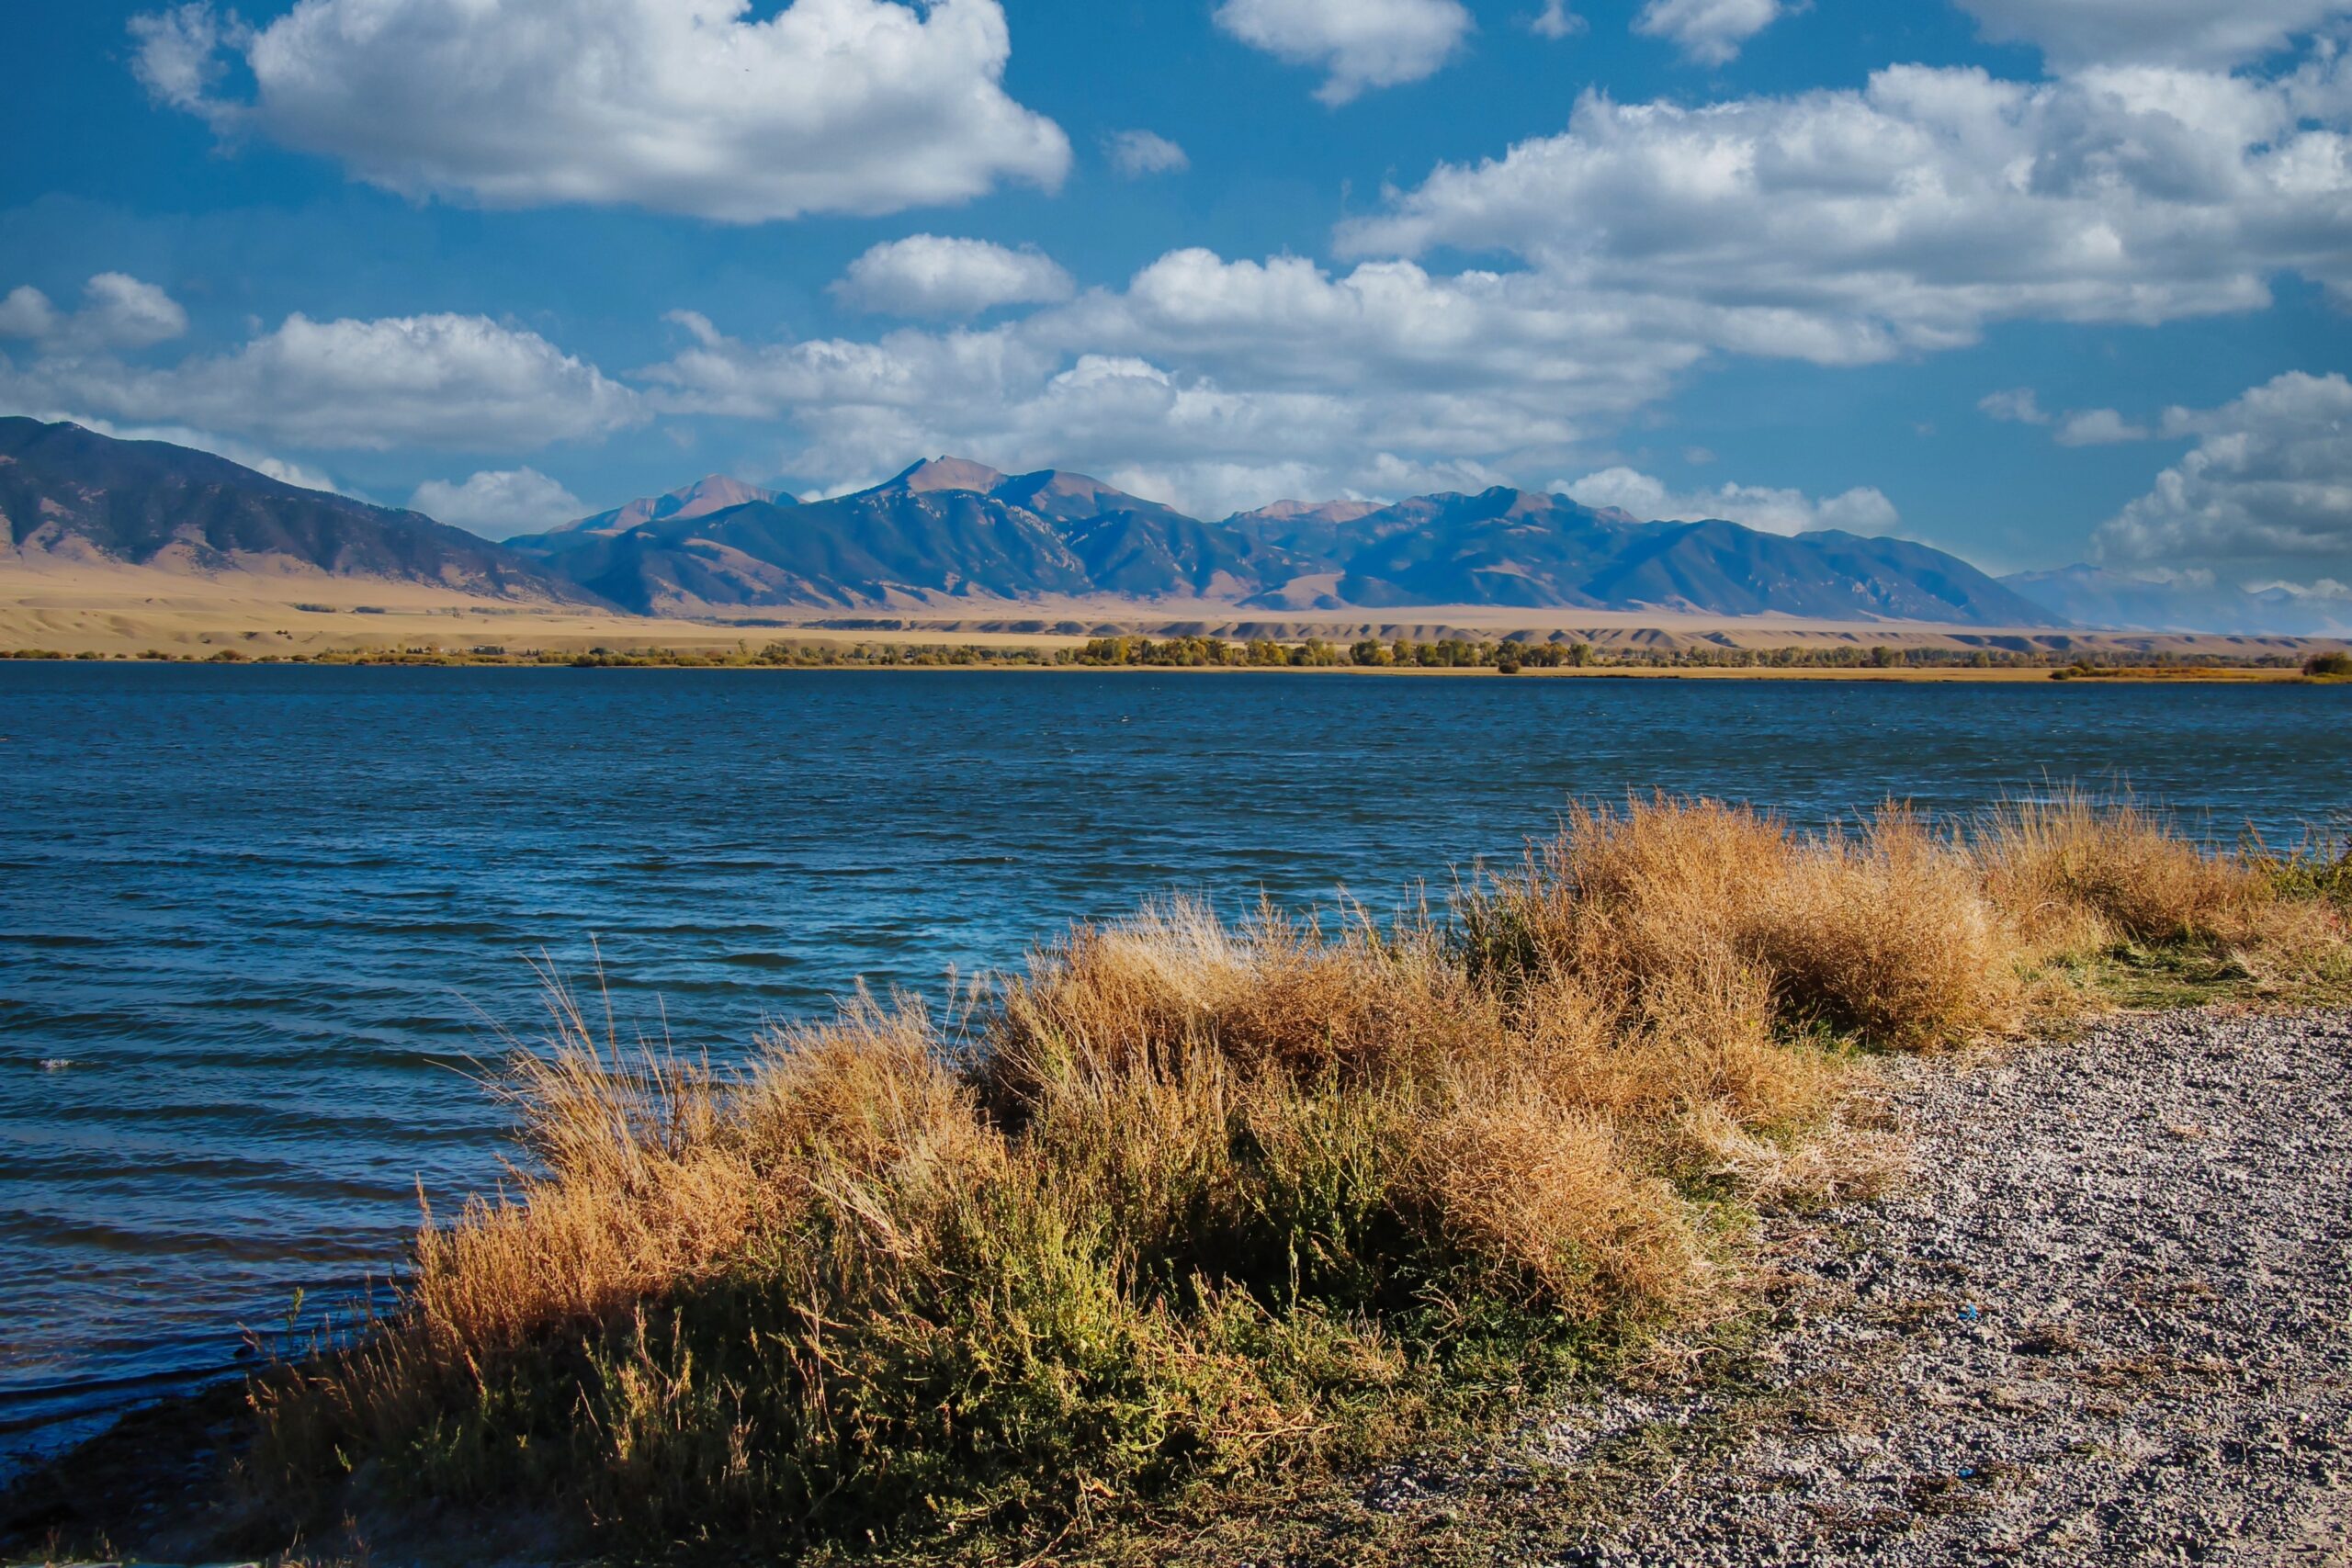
[[955, 531], [2091, 596], [72, 493], [1519, 547], [699, 498]]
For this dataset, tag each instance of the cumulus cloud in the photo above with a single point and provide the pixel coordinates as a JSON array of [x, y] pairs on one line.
[[926, 274], [1848, 226], [2266, 492], [118, 311], [2099, 427], [1604, 266], [178, 55], [861, 106], [2018, 405], [1865, 510], [462, 382], [1135, 154], [1555, 21], [1210, 368], [1709, 31], [1645, 241], [499, 503], [2171, 32], [1361, 44]]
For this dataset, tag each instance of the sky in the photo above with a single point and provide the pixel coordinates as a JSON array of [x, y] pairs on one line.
[[2037, 281]]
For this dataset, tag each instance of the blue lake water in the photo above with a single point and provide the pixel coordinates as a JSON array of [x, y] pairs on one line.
[[257, 923]]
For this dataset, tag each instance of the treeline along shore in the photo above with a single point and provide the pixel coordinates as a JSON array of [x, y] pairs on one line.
[[1400, 655], [1193, 1213]]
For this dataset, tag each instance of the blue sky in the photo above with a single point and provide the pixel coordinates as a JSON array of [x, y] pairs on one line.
[[2035, 280]]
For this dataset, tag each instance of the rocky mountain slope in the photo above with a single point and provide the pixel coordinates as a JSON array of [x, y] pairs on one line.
[[72, 493], [952, 531]]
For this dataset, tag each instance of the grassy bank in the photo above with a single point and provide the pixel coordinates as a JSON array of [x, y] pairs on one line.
[[1190, 1211]]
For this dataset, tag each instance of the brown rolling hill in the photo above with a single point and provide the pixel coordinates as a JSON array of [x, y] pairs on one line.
[[72, 494]]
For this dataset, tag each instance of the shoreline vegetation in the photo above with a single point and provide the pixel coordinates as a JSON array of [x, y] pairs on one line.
[[1453, 656], [1189, 1212]]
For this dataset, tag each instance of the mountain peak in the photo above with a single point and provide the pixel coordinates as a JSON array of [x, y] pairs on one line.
[[1334, 512], [713, 493], [948, 473]]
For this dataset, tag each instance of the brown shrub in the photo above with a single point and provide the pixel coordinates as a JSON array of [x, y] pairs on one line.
[[1272, 993], [1626, 899], [2075, 873], [1888, 932], [1542, 1195], [1676, 911]]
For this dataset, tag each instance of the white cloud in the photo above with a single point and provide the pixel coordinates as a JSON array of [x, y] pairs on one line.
[[1848, 226], [179, 49], [461, 382], [926, 274], [862, 106], [2099, 427], [2018, 405], [1709, 31], [1606, 265], [2172, 32], [118, 311], [1840, 228], [1207, 370], [1361, 44], [1135, 154], [1555, 21], [1861, 511], [500, 504], [2267, 492]]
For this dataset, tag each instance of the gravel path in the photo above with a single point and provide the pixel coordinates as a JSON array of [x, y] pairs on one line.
[[2108, 1319]]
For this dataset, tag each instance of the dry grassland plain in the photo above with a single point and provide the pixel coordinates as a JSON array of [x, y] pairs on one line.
[[78, 609]]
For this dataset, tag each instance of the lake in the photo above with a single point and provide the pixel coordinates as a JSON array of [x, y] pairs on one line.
[[257, 924]]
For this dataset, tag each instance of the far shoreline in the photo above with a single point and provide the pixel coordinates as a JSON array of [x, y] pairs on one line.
[[2209, 675]]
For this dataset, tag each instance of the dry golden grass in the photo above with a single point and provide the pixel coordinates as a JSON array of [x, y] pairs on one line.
[[1701, 915], [2074, 873], [1544, 1195], [1190, 1197], [1272, 994], [1889, 932]]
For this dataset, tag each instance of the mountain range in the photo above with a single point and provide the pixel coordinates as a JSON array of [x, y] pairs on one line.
[[67, 492], [951, 531], [954, 534]]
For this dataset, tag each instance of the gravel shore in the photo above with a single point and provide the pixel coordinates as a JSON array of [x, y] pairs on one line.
[[2107, 1318]]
